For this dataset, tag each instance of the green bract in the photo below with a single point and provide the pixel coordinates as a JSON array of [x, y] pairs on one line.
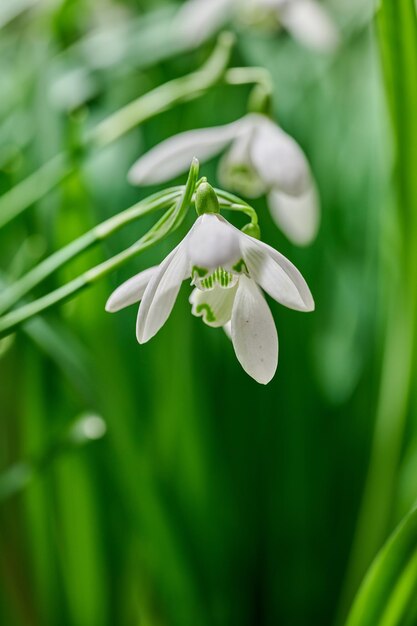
[[206, 200]]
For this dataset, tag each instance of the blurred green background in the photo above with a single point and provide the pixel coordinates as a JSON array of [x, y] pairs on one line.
[[196, 496]]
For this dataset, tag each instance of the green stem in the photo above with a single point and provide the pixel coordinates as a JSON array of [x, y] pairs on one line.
[[167, 224], [194, 85], [164, 97], [20, 288], [32, 188], [234, 203], [10, 322], [249, 75], [389, 586]]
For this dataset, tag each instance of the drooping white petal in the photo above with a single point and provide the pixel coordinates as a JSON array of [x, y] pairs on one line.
[[173, 156], [278, 159], [213, 243], [228, 330], [310, 24], [130, 291], [298, 217], [254, 335], [214, 306], [276, 275], [197, 20], [161, 293]]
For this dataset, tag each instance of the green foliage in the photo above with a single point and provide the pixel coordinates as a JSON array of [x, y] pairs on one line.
[[387, 595], [209, 499]]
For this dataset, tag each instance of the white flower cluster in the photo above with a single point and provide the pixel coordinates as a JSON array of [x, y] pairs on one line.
[[230, 269]]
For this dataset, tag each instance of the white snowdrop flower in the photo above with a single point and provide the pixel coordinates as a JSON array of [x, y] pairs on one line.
[[260, 159], [306, 20], [198, 20], [228, 270]]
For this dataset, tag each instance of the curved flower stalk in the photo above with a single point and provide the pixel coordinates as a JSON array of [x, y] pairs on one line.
[[307, 21], [176, 203], [228, 270], [260, 159]]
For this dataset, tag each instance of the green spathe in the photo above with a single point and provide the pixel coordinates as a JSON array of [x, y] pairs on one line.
[[206, 199]]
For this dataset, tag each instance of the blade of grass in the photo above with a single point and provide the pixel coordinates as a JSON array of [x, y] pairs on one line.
[[178, 90], [397, 24], [391, 581]]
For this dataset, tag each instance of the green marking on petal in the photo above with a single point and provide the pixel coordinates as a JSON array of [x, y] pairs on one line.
[[240, 267], [200, 271], [219, 276], [206, 312]]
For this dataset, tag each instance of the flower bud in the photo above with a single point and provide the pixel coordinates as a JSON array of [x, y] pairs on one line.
[[206, 199]]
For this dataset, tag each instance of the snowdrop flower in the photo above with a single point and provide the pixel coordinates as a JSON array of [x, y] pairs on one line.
[[306, 20], [228, 270], [261, 159]]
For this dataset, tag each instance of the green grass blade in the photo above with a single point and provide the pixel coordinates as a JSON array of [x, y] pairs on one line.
[[392, 579]]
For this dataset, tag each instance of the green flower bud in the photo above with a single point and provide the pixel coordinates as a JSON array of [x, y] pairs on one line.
[[252, 230], [206, 200]]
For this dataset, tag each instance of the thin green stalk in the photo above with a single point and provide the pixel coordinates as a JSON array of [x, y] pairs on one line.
[[10, 322], [194, 85], [398, 46], [10, 296], [389, 586], [167, 224], [165, 96], [234, 203], [34, 187], [248, 75]]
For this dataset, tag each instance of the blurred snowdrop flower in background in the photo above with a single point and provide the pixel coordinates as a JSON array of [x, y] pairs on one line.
[[307, 21], [261, 159], [227, 267]]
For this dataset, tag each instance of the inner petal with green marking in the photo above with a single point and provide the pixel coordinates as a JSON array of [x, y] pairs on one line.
[[205, 280], [243, 178], [215, 305]]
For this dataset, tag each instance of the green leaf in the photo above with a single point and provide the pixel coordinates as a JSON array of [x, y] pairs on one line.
[[391, 582], [168, 223]]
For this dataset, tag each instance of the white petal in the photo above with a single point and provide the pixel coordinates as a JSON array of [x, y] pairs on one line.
[[310, 24], [173, 156], [214, 306], [228, 329], [276, 275], [130, 291], [161, 293], [197, 20], [254, 335], [298, 217], [279, 160], [213, 243]]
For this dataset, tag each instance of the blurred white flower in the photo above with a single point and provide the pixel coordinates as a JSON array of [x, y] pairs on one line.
[[227, 268], [261, 159], [306, 20]]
